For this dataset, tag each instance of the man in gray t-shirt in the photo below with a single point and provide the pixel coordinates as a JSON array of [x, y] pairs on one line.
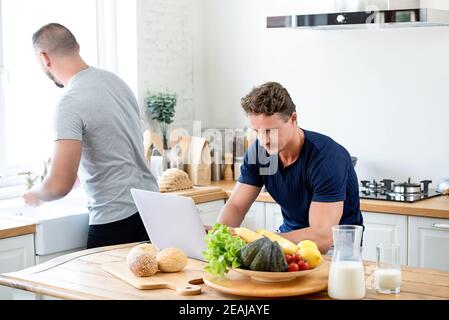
[[98, 136]]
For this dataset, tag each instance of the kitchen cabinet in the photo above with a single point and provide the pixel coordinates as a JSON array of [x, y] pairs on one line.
[[255, 218], [209, 211], [273, 217], [384, 228], [16, 253], [428, 242]]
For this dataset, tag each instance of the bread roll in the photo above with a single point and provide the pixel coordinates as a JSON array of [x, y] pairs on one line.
[[171, 260], [142, 260]]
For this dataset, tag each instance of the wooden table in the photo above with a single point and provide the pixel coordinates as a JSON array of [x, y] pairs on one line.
[[80, 276]]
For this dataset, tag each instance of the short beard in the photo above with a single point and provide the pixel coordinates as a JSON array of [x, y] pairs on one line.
[[53, 78]]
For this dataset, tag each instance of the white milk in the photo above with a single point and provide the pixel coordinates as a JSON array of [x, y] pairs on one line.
[[346, 280], [388, 279]]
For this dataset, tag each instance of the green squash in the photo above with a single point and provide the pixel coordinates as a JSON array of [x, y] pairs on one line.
[[263, 255], [261, 261], [249, 252], [278, 262]]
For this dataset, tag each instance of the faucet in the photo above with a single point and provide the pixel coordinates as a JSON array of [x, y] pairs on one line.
[[31, 177], [45, 171], [29, 180]]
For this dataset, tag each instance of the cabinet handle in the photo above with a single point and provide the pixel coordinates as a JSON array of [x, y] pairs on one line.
[[441, 226], [200, 210]]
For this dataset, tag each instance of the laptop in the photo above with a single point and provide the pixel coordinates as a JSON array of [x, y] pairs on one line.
[[171, 221]]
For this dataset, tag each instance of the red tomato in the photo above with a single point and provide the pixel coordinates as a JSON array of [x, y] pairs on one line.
[[288, 258], [296, 257], [292, 267], [302, 265]]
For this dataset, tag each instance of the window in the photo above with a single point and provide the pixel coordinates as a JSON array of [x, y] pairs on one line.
[[2, 95], [29, 97], [107, 33]]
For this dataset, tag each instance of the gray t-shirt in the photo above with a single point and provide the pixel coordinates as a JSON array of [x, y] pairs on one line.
[[100, 110]]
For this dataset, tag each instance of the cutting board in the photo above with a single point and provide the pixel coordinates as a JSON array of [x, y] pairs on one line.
[[196, 191], [241, 285], [184, 283]]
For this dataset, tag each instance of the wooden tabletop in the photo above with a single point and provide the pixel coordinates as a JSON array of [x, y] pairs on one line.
[[13, 228], [80, 276], [437, 207]]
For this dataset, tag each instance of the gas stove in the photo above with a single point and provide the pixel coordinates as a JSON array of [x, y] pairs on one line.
[[388, 190]]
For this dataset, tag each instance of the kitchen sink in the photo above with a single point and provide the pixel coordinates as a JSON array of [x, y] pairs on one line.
[[60, 225]]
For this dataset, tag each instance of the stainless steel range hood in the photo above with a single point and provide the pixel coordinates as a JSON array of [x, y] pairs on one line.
[[421, 17]]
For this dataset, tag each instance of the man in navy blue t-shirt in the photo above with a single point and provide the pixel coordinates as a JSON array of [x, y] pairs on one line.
[[308, 174]]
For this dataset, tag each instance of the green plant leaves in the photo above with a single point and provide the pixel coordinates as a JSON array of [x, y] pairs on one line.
[[162, 106], [222, 250]]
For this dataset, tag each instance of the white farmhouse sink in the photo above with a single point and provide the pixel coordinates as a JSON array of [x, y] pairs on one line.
[[61, 225]]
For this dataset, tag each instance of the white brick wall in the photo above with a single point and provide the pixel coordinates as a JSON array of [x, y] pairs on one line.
[[165, 58]]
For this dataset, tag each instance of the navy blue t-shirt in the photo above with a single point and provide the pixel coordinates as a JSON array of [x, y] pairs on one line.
[[322, 173]]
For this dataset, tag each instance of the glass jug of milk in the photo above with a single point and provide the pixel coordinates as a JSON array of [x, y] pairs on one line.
[[346, 275]]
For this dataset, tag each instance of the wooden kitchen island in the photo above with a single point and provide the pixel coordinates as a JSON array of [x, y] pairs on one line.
[[80, 276]]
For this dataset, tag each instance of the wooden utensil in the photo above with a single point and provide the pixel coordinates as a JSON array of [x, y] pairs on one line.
[[184, 283], [241, 285]]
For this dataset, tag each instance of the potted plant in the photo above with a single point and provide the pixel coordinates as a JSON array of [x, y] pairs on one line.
[[161, 106]]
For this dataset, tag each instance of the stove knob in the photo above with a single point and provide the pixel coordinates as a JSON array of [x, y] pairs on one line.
[[364, 183], [425, 185], [341, 18], [388, 184]]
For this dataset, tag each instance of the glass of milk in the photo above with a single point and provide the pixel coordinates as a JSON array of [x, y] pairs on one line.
[[387, 276]]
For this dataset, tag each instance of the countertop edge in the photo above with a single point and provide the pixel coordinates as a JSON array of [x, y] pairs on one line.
[[17, 230], [30, 286], [423, 212], [377, 206]]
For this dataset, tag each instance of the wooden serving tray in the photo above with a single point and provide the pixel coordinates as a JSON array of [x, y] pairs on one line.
[[242, 285], [184, 282]]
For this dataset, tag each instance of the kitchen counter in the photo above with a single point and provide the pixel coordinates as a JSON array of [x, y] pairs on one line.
[[437, 207], [13, 228], [80, 276], [203, 194]]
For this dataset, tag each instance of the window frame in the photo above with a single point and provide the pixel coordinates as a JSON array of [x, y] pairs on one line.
[[2, 101]]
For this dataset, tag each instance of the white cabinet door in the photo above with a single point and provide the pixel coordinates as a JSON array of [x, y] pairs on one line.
[[16, 253], [384, 228], [255, 218], [428, 243], [273, 217], [209, 211]]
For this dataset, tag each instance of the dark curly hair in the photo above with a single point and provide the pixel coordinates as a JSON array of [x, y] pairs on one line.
[[268, 99]]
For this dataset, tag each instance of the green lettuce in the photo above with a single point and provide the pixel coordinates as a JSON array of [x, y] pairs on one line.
[[222, 250]]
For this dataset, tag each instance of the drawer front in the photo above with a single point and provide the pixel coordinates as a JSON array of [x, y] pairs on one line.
[[384, 228], [428, 243], [209, 211], [255, 218], [273, 216]]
